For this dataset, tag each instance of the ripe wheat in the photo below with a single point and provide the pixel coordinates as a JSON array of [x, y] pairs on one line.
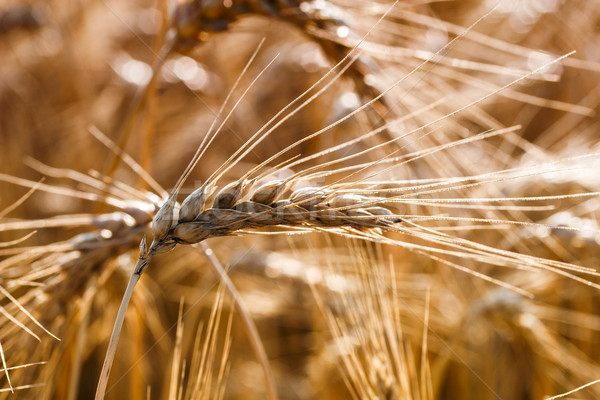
[[372, 200]]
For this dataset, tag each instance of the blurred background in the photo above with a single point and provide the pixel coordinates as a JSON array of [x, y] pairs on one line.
[[340, 318]]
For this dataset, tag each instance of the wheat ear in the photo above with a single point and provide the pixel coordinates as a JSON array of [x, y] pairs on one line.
[[161, 225]]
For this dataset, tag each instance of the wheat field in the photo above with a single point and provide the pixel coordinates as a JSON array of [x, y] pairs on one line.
[[314, 199]]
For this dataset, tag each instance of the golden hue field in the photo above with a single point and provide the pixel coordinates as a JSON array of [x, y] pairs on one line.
[[405, 196]]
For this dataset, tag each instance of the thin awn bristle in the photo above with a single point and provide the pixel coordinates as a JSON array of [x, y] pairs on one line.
[[21, 200], [128, 160], [64, 191], [348, 59], [19, 324], [352, 56], [226, 165], [495, 254], [404, 159], [455, 112], [6, 368], [263, 132], [369, 134], [465, 107], [441, 51], [24, 311], [78, 177], [361, 167], [209, 137], [17, 241]]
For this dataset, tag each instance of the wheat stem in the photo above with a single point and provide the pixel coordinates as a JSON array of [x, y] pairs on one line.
[[116, 333]]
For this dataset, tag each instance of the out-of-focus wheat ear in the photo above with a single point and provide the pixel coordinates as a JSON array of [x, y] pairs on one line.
[[251, 329], [140, 266]]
